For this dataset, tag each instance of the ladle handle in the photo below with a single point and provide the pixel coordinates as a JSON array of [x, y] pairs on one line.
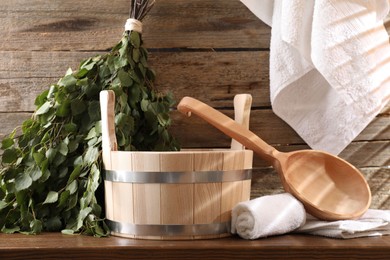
[[228, 126]]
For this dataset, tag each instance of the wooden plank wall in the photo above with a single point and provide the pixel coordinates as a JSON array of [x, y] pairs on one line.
[[208, 49]]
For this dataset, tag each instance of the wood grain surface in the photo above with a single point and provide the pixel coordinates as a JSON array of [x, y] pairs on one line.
[[57, 246], [208, 49]]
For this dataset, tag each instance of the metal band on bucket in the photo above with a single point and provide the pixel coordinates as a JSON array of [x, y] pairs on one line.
[[177, 177], [169, 230]]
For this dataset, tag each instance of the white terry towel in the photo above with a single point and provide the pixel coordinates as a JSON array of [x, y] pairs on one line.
[[266, 216], [329, 66], [372, 223]]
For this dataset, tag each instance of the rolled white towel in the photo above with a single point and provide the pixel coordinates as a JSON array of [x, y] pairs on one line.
[[267, 216]]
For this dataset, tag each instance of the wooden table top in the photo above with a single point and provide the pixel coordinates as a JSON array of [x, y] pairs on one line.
[[57, 246]]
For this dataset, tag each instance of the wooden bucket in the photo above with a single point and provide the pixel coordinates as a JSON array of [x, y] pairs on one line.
[[171, 195]]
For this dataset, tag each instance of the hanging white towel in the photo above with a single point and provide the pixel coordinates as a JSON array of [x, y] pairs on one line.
[[329, 66], [267, 216], [372, 223]]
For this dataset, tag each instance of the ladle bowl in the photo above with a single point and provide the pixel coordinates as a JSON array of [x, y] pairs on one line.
[[329, 187]]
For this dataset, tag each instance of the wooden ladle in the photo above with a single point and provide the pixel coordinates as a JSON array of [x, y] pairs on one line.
[[329, 187]]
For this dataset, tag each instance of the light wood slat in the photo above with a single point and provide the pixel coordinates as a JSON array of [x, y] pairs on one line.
[[206, 24], [32, 64], [96, 25], [215, 76], [359, 153], [193, 132], [265, 181]]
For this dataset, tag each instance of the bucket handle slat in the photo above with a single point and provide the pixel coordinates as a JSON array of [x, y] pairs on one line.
[[242, 110], [107, 108]]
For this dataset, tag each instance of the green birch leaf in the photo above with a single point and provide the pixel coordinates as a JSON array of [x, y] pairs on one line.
[[7, 143], [124, 46], [59, 159], [85, 63], [135, 39], [67, 232], [121, 138], [41, 98], [144, 104], [142, 69], [45, 176], [39, 157], [82, 215], [94, 141], [125, 78], [35, 173], [62, 172], [163, 119], [91, 155], [3, 204], [151, 74], [69, 82], [44, 165], [77, 106], [136, 55], [36, 226], [120, 62], [73, 145], [63, 109], [21, 199], [64, 198], [72, 187], [78, 161], [63, 149], [51, 154], [75, 174], [91, 134], [9, 156], [98, 127], [11, 230], [82, 73], [44, 108], [51, 197], [22, 181], [91, 90], [94, 111], [72, 202], [61, 96], [69, 72], [70, 127], [104, 71]]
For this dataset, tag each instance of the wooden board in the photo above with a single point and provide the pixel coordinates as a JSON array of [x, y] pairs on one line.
[[369, 149], [55, 245], [88, 25], [23, 75]]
